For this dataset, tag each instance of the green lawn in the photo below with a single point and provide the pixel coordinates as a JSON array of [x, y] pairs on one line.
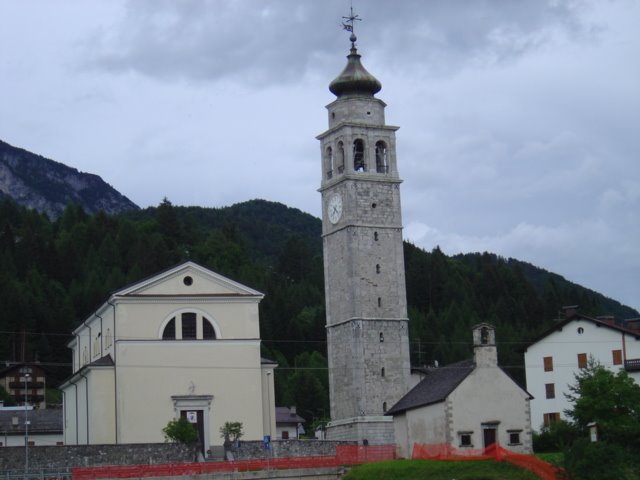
[[439, 470], [556, 458]]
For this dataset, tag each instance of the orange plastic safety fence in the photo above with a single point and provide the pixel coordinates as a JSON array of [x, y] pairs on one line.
[[444, 451], [345, 455]]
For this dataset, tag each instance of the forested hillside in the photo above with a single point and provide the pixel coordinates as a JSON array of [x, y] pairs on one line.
[[55, 273]]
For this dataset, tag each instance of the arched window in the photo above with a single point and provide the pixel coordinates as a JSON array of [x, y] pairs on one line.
[[169, 332], [189, 326], [358, 156], [382, 164], [484, 335], [340, 157], [208, 332], [329, 162]]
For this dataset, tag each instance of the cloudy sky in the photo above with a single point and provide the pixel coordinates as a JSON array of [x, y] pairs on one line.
[[520, 120]]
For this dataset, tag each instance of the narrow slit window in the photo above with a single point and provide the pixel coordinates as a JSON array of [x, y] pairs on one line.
[[379, 301], [381, 337], [378, 268], [358, 156]]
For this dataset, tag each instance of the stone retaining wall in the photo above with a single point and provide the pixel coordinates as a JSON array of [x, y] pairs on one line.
[[287, 448], [65, 456]]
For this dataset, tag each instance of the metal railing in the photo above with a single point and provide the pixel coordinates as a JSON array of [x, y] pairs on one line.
[[37, 474], [632, 365]]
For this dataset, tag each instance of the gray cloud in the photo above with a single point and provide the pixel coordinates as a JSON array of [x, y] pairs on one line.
[[276, 41]]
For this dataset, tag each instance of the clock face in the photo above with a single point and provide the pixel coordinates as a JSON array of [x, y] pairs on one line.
[[335, 208]]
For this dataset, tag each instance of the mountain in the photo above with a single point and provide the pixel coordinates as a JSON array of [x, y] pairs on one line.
[[48, 186]]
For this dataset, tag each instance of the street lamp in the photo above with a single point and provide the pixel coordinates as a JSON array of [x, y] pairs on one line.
[[269, 401], [27, 375]]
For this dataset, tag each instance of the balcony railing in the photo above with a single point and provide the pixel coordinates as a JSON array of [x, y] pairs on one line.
[[30, 385], [632, 365]]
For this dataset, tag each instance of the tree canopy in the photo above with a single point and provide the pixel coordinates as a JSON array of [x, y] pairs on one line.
[[54, 273]]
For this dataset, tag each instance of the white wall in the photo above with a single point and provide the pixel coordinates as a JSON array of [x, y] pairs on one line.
[[564, 346], [489, 395], [38, 439]]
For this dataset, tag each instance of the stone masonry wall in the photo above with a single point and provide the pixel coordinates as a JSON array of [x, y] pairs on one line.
[[65, 456], [287, 448]]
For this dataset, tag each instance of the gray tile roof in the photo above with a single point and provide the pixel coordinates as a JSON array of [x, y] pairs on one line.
[[47, 420], [435, 387], [284, 415]]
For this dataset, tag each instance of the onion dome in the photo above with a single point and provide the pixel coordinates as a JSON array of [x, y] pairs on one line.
[[354, 79]]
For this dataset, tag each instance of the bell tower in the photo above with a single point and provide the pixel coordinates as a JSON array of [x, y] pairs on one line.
[[367, 324]]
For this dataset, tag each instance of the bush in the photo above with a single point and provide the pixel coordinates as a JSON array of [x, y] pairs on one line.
[[588, 460], [555, 437], [180, 431]]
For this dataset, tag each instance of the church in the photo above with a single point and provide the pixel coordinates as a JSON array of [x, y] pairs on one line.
[[182, 343]]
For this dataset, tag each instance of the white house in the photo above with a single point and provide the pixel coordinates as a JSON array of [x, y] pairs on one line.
[[467, 405], [184, 342], [288, 423], [554, 358], [45, 426]]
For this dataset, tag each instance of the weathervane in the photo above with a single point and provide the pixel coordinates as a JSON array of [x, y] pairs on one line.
[[348, 25]]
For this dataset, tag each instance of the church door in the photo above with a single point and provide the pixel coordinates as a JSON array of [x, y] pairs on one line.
[[196, 418]]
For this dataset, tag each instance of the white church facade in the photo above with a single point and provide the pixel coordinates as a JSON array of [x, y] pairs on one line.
[[184, 342]]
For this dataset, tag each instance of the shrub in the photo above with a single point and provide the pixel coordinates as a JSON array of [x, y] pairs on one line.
[[588, 460], [555, 437], [181, 431]]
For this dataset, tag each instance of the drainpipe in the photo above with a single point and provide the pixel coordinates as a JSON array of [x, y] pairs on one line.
[[76, 386], [64, 415], [100, 334], [115, 370], [86, 394]]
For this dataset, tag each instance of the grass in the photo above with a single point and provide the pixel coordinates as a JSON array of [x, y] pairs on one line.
[[439, 470], [556, 458]]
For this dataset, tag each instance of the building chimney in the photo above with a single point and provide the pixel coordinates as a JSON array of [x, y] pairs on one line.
[[570, 311], [633, 324], [608, 319], [293, 411]]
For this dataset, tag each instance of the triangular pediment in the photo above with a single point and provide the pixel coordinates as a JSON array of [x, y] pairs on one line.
[[187, 279]]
